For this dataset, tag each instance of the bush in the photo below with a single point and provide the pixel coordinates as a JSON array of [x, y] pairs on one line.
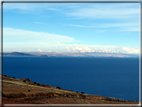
[[82, 92], [58, 87], [13, 77], [3, 95], [15, 95], [24, 80], [38, 84], [34, 82], [29, 90]]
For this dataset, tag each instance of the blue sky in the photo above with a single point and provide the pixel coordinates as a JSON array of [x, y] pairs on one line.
[[71, 27]]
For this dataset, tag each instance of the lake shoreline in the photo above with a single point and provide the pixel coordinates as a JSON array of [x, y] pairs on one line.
[[24, 91]]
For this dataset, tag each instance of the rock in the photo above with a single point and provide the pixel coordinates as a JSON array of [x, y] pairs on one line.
[[27, 79], [22, 79]]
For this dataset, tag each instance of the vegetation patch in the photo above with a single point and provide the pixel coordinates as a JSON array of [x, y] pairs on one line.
[[3, 95], [58, 87], [82, 92], [24, 80], [15, 95]]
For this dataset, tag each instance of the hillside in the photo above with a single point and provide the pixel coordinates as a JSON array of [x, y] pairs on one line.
[[69, 54], [24, 91], [17, 54]]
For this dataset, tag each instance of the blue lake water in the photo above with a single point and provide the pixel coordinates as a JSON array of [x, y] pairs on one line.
[[111, 77]]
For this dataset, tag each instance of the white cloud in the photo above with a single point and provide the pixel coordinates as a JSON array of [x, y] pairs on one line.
[[40, 50], [132, 29], [42, 23], [81, 48], [105, 11], [130, 50], [77, 25], [64, 46], [107, 25], [31, 6], [68, 49], [80, 10], [28, 7], [22, 6], [17, 38], [118, 26], [25, 36], [105, 49], [58, 43], [74, 44]]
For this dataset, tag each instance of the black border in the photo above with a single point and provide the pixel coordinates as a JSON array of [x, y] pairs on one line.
[[105, 1]]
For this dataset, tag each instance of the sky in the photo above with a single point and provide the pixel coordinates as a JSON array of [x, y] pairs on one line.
[[71, 27]]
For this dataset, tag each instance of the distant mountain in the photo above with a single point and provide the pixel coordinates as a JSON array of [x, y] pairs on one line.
[[79, 54], [17, 54]]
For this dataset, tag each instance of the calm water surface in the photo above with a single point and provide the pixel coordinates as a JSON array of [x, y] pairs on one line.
[[111, 77]]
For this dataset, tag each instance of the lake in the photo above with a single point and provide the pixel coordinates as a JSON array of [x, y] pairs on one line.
[[110, 77]]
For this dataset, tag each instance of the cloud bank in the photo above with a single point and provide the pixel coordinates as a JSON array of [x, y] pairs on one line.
[[105, 49], [18, 35], [63, 46]]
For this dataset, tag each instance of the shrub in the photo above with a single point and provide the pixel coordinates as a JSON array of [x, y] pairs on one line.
[[82, 92], [34, 82], [24, 80], [38, 84], [15, 95], [29, 90], [13, 77], [3, 95], [58, 87]]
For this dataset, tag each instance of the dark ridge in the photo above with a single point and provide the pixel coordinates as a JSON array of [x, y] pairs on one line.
[[17, 54]]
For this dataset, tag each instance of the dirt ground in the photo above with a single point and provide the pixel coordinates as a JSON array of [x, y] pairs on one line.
[[24, 91]]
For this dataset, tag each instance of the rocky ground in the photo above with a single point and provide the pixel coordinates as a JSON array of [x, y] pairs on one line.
[[24, 91]]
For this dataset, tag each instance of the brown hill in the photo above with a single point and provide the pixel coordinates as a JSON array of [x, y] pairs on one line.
[[24, 91]]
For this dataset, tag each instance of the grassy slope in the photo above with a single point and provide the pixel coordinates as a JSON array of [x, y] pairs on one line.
[[17, 91]]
